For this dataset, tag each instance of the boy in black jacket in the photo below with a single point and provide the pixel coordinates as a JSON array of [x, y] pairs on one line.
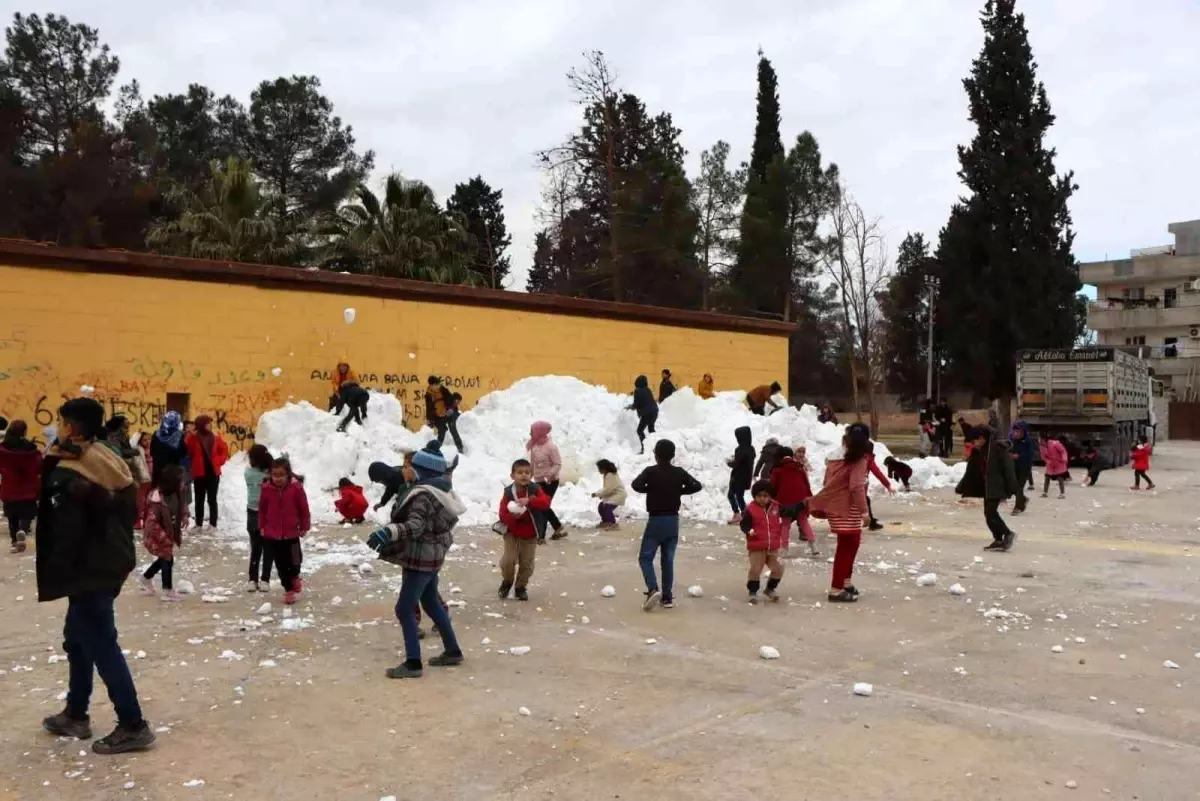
[[741, 472], [646, 408], [664, 484]]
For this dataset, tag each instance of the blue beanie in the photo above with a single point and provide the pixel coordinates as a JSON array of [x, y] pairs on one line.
[[429, 462]]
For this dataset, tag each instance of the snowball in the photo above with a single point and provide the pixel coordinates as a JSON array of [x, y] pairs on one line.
[[768, 652], [519, 650], [927, 579], [366, 567], [863, 689], [1081, 640], [515, 508], [524, 711], [651, 641], [232, 656], [1170, 665], [185, 587], [348, 315], [86, 389], [1058, 649], [1141, 710], [696, 591], [211, 598], [958, 589], [608, 591], [265, 609], [193, 783], [277, 371], [1072, 784], [412, 355]]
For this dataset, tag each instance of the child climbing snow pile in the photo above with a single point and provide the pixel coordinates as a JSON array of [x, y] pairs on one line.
[[611, 495], [166, 518], [766, 533]]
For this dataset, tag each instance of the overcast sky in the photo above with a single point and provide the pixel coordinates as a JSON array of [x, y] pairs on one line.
[[446, 90]]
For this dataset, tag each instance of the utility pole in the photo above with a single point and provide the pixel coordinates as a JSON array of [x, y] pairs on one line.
[[931, 284]]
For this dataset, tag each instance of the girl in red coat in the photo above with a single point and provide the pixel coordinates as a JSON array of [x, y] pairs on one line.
[[208, 453], [162, 530], [1141, 463], [843, 502], [351, 503], [20, 480], [284, 519], [789, 477], [766, 533]]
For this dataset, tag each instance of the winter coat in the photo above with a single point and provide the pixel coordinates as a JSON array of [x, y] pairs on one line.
[[764, 528], [20, 471], [767, 458], [1141, 457], [705, 389], [924, 442], [437, 401], [873, 466], [664, 485], [163, 455], [546, 461], [351, 503], [283, 511], [643, 399], [757, 398], [421, 529], [613, 490], [990, 473], [528, 524], [255, 479], [666, 389], [790, 480], [86, 512], [899, 471], [1024, 448], [348, 377], [741, 466], [1054, 454], [161, 533], [843, 496], [218, 457]]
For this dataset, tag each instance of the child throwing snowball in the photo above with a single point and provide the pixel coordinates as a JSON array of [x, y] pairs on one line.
[[162, 531], [611, 495], [521, 508], [284, 517], [1141, 463], [664, 484], [257, 474], [766, 540]]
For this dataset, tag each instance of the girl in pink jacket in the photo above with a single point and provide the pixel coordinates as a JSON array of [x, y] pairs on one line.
[[283, 517], [1054, 454], [547, 464]]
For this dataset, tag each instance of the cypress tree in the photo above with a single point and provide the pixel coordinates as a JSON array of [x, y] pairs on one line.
[[905, 308], [1007, 277]]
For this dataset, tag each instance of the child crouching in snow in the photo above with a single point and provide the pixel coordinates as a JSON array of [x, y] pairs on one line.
[[766, 539], [898, 471], [284, 517], [611, 495], [351, 503], [166, 518], [790, 480], [522, 507]]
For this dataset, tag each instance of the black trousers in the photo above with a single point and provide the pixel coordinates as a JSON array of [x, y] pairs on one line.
[[287, 556], [166, 566], [995, 523], [256, 549], [20, 516], [1138, 475], [646, 424], [1094, 472], [206, 487], [1024, 476], [448, 423], [1062, 485], [550, 487]]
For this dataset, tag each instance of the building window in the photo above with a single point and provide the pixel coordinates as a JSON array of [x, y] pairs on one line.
[[1170, 297], [1136, 293], [1171, 347], [1135, 340]]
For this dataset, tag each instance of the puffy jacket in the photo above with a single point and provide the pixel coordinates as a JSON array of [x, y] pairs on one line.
[[351, 503], [20, 471], [741, 466], [1055, 457], [528, 524], [421, 529], [991, 473], [843, 496], [1141, 457], [348, 377], [705, 389], [666, 389], [1022, 447], [160, 534], [546, 461], [790, 481], [195, 449], [643, 399], [764, 528], [613, 490], [283, 511], [163, 455]]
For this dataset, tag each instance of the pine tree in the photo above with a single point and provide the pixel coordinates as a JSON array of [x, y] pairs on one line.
[[761, 276], [905, 308], [483, 209], [1007, 277], [717, 198]]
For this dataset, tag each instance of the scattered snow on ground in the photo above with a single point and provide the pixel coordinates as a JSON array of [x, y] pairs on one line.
[[864, 689], [768, 652]]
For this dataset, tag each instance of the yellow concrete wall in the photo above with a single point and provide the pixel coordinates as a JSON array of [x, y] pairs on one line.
[[135, 339]]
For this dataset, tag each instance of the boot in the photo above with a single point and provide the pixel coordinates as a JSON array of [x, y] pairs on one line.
[[505, 586], [122, 739]]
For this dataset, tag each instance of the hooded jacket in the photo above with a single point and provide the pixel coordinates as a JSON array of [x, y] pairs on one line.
[[196, 452], [790, 481], [530, 523], [283, 511], [1023, 448], [643, 399], [666, 388], [20, 470], [86, 512], [161, 533], [764, 528], [741, 466], [1141, 456], [421, 529], [843, 496], [392, 479], [543, 453], [351, 503], [339, 378], [705, 389]]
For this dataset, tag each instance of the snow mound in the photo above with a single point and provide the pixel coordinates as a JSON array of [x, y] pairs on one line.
[[590, 423]]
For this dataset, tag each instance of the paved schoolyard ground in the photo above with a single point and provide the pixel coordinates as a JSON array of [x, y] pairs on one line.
[[968, 703]]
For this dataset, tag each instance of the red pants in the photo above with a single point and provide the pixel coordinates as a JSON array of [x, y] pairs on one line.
[[843, 558]]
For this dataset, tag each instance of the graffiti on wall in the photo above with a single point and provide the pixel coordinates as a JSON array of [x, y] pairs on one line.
[[409, 388]]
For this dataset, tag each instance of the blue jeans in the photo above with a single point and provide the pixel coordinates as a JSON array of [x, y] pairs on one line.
[[90, 640], [420, 586], [737, 500], [661, 532]]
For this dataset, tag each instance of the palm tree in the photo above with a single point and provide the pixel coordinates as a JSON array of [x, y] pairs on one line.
[[406, 234], [226, 219]]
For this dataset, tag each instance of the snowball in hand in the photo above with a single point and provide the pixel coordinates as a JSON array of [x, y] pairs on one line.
[[348, 315], [515, 508]]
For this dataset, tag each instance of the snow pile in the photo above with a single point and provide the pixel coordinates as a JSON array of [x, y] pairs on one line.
[[589, 422]]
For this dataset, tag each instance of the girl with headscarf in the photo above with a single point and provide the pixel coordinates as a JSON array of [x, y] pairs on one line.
[[547, 464], [167, 446]]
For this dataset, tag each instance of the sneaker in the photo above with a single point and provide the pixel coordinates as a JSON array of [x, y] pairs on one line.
[[653, 599], [446, 660], [138, 738], [264, 585], [1045, 495], [994, 545], [812, 550], [1018, 510], [1009, 539], [18, 545], [1062, 496], [733, 521], [172, 595], [289, 598], [541, 540], [842, 597], [505, 586], [403, 671], [252, 586], [147, 587], [772, 596], [561, 534], [63, 725], [753, 599], [520, 594], [1150, 488], [668, 603]]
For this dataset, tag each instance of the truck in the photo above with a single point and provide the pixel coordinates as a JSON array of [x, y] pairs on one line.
[[1101, 394]]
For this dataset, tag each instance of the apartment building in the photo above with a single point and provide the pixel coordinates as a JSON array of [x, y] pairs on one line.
[[1149, 304]]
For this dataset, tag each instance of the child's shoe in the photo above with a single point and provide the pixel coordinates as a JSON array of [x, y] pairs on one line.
[[172, 595], [147, 587], [289, 598], [812, 549], [733, 521], [843, 597], [298, 585], [505, 586], [653, 598], [667, 603], [772, 596], [446, 659], [264, 586], [18, 545], [561, 534], [875, 525], [520, 594], [252, 586], [753, 599]]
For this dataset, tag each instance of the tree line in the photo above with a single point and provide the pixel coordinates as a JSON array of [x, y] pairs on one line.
[[279, 180]]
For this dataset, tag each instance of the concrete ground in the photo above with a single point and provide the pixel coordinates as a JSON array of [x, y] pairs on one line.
[[676, 704]]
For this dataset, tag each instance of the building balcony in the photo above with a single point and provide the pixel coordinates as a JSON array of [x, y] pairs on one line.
[[1159, 358], [1115, 315], [1140, 270]]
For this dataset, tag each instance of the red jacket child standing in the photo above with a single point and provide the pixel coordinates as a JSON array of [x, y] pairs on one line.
[[20, 481], [523, 508], [351, 503], [789, 477], [766, 533], [284, 518], [1141, 463]]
